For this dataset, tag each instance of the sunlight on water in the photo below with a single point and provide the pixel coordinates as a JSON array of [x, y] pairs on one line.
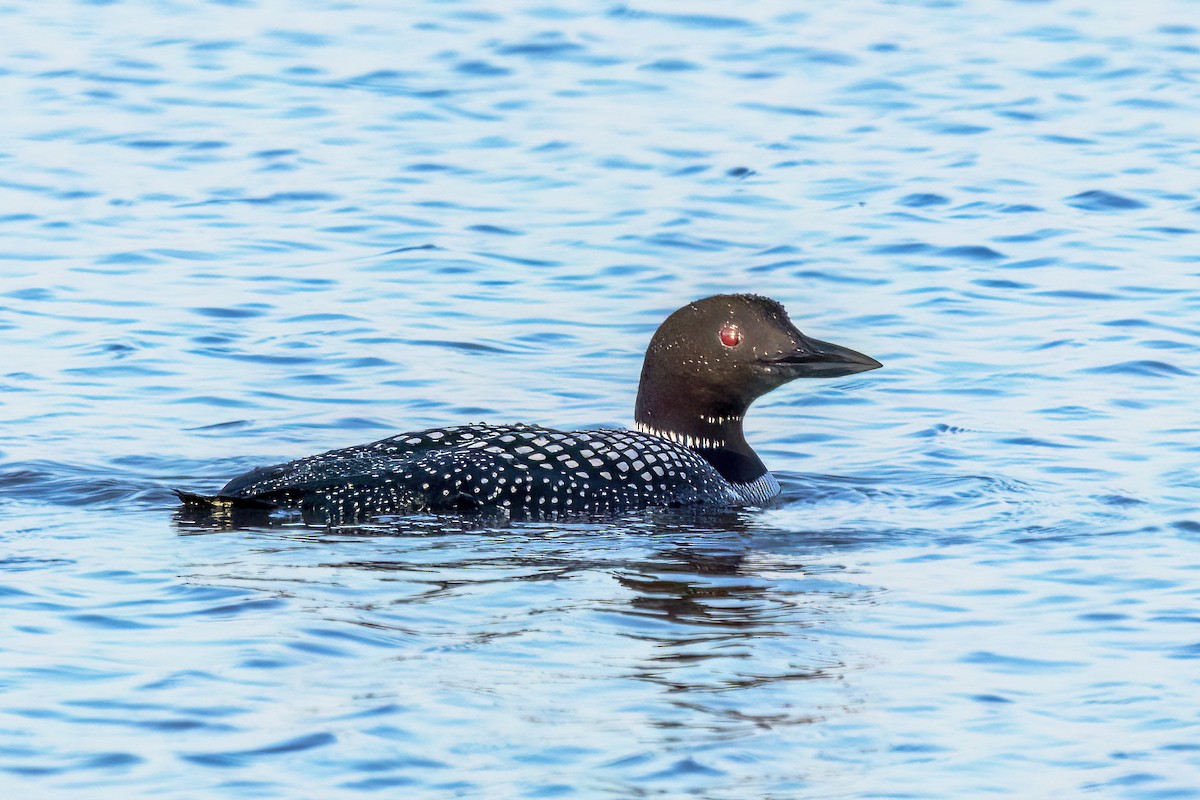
[[238, 233]]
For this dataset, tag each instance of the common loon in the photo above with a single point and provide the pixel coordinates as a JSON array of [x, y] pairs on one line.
[[704, 366]]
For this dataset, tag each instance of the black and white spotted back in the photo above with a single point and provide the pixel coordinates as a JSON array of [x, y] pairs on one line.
[[517, 470]]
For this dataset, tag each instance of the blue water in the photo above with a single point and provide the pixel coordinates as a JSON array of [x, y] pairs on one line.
[[236, 233]]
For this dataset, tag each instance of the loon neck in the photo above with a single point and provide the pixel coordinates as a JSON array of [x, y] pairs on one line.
[[718, 438]]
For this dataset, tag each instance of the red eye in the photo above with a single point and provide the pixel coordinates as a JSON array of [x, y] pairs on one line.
[[731, 335]]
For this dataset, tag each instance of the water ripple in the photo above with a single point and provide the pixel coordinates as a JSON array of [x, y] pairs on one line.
[[241, 758], [1099, 200]]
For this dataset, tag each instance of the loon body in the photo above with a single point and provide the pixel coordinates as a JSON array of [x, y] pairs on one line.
[[704, 366]]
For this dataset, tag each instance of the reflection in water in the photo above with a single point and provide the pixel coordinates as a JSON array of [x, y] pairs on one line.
[[715, 608], [738, 625], [720, 628]]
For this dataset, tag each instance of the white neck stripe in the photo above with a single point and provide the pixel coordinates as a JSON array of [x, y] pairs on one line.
[[683, 439]]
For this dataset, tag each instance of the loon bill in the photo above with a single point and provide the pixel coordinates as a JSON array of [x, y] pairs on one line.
[[704, 366]]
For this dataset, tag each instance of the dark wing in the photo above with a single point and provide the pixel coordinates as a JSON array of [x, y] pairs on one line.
[[419, 471], [517, 470]]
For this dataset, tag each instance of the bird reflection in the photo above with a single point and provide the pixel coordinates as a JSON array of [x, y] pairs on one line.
[[726, 611], [735, 630]]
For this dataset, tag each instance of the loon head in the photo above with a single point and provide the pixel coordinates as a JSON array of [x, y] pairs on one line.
[[712, 358]]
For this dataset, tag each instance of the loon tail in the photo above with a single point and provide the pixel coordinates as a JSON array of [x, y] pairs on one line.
[[208, 502]]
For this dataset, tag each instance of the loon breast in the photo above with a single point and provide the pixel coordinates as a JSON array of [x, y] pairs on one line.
[[516, 470]]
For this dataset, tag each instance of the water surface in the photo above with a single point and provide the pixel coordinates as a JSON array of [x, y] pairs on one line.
[[236, 233]]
